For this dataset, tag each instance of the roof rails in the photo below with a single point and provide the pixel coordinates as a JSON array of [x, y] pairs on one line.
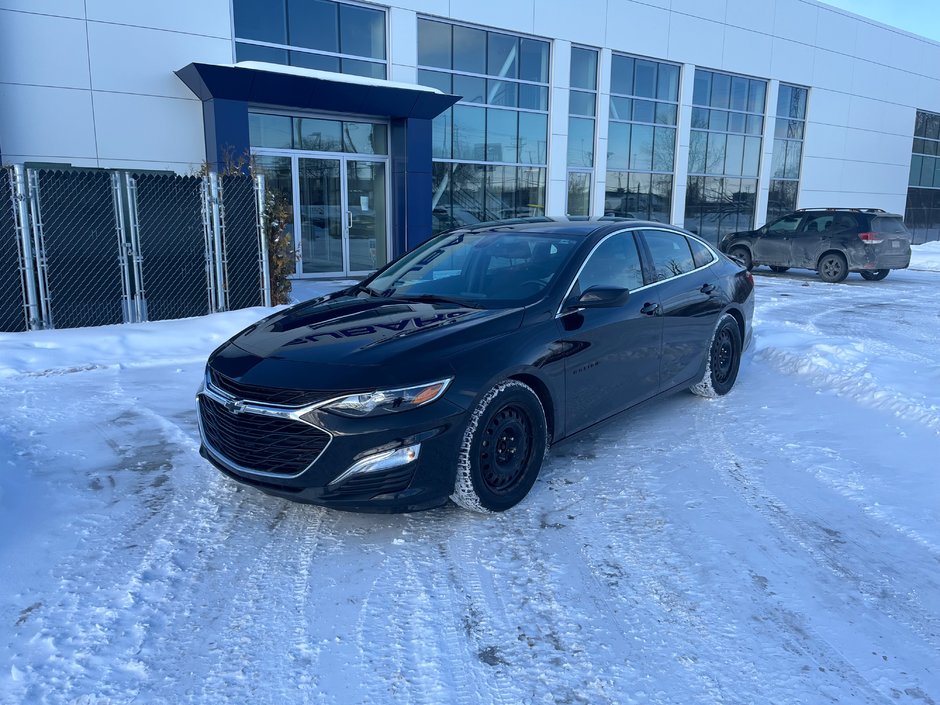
[[856, 210]]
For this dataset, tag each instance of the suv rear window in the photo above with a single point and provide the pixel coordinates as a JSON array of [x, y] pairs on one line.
[[893, 226]]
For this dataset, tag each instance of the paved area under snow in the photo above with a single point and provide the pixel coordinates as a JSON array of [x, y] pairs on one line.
[[779, 545]]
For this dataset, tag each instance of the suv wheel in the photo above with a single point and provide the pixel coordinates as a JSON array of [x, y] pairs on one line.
[[875, 275], [742, 255], [832, 267]]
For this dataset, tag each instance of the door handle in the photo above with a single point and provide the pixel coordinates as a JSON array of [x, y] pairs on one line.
[[650, 309], [348, 220], [708, 289]]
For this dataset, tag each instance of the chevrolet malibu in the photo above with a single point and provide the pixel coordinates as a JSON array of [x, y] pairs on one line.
[[450, 372]]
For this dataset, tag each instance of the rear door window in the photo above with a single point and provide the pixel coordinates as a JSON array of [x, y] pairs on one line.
[[670, 252], [701, 255], [818, 224]]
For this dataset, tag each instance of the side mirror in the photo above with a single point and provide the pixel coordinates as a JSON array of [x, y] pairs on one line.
[[601, 297]]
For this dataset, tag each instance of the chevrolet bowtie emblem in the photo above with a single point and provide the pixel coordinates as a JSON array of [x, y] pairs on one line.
[[234, 406]]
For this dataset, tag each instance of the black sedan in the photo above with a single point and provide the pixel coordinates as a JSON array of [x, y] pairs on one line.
[[450, 372]]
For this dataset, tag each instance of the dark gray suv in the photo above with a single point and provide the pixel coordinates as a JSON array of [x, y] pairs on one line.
[[833, 241]]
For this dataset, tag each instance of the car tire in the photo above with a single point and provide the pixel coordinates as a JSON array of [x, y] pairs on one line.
[[742, 255], [875, 275], [833, 268], [502, 449], [778, 270], [723, 359]]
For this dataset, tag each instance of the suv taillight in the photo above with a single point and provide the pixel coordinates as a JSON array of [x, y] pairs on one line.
[[870, 238]]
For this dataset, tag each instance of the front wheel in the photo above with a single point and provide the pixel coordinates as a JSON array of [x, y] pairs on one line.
[[833, 268], [502, 449], [876, 275], [723, 361]]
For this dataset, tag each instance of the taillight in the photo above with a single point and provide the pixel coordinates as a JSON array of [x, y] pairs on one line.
[[750, 278], [870, 238]]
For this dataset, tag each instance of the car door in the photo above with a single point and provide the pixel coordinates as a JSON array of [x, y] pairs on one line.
[[773, 245], [613, 361], [691, 302], [812, 239]]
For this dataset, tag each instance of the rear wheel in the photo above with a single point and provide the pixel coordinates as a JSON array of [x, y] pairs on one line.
[[778, 270], [876, 275], [724, 360], [743, 255], [832, 268], [502, 449]]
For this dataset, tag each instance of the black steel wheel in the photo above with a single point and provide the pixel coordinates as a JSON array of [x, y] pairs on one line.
[[778, 270], [875, 275], [723, 359], [833, 268], [502, 449], [742, 255]]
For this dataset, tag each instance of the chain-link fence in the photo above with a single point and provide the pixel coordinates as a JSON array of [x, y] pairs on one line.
[[97, 247], [12, 313]]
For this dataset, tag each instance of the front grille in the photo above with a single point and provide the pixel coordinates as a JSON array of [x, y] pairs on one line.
[[264, 443], [371, 484], [268, 395]]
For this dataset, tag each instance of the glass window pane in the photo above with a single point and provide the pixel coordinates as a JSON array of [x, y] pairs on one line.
[[751, 163], [718, 120], [320, 62], [645, 81], [739, 88], [697, 144], [780, 128], [319, 135], [700, 253], [502, 93], [755, 98], [472, 89], [755, 125], [665, 114], [468, 192], [702, 88], [784, 96], [667, 87], [794, 151], [779, 160], [369, 69], [434, 46], [920, 124], [533, 138], [313, 24], [799, 103], [533, 60], [664, 149], [581, 103], [615, 263], [469, 49], [795, 129], [670, 252], [638, 194], [926, 172], [715, 154], [618, 145], [269, 131], [502, 55], [361, 31], [734, 155], [252, 52], [441, 130], [533, 97], [621, 108], [500, 192], [737, 122], [502, 130], [641, 147], [365, 138], [644, 110], [933, 126], [469, 132], [262, 20], [584, 68], [915, 170], [441, 201], [661, 198], [277, 179], [721, 91], [700, 118], [615, 193], [530, 191], [579, 193], [580, 142], [435, 79], [621, 75]]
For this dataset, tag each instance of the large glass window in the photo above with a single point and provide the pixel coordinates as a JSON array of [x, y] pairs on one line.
[[724, 153], [641, 140], [582, 110], [490, 149], [316, 134], [922, 215], [315, 34], [788, 149]]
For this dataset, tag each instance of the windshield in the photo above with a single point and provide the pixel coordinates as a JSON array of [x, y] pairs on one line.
[[490, 269]]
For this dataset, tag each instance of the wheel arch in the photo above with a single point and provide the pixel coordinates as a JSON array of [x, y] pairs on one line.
[[832, 251], [545, 397]]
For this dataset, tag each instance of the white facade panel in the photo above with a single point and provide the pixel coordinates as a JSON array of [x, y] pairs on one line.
[[796, 20], [211, 18], [517, 15], [693, 40], [835, 31], [58, 8], [791, 62], [26, 56], [756, 16], [38, 123], [574, 21], [746, 52], [636, 28], [714, 10]]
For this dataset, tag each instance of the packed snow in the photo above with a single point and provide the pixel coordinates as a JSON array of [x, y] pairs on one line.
[[778, 545]]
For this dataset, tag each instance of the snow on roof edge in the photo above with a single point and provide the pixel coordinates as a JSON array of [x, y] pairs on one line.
[[329, 76]]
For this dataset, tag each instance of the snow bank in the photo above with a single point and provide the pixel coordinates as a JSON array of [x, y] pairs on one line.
[[926, 257], [134, 345]]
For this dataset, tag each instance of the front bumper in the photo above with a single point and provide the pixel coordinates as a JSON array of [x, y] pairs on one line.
[[425, 482]]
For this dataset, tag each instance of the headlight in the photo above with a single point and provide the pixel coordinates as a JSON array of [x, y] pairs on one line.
[[387, 401]]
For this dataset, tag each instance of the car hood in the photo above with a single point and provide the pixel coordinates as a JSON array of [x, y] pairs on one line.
[[358, 343]]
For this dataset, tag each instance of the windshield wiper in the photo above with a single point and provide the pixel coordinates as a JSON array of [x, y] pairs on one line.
[[362, 288], [437, 298]]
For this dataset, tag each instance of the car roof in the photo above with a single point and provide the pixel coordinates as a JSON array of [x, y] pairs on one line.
[[560, 225]]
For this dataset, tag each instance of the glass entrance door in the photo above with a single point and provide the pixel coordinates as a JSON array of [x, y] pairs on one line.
[[367, 221], [321, 216]]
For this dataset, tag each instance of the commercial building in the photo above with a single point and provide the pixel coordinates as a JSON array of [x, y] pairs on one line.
[[381, 123]]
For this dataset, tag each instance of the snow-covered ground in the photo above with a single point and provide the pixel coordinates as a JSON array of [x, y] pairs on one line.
[[779, 545]]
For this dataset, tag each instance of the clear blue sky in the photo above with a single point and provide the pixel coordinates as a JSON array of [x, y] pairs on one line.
[[918, 16]]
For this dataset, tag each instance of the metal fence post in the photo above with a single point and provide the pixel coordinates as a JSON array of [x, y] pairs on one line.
[[124, 249], [136, 254], [39, 250], [25, 246], [219, 251], [210, 249], [263, 237]]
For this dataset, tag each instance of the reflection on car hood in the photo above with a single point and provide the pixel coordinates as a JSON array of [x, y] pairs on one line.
[[349, 342]]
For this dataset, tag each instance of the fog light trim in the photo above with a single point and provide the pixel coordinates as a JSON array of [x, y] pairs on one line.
[[377, 462]]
